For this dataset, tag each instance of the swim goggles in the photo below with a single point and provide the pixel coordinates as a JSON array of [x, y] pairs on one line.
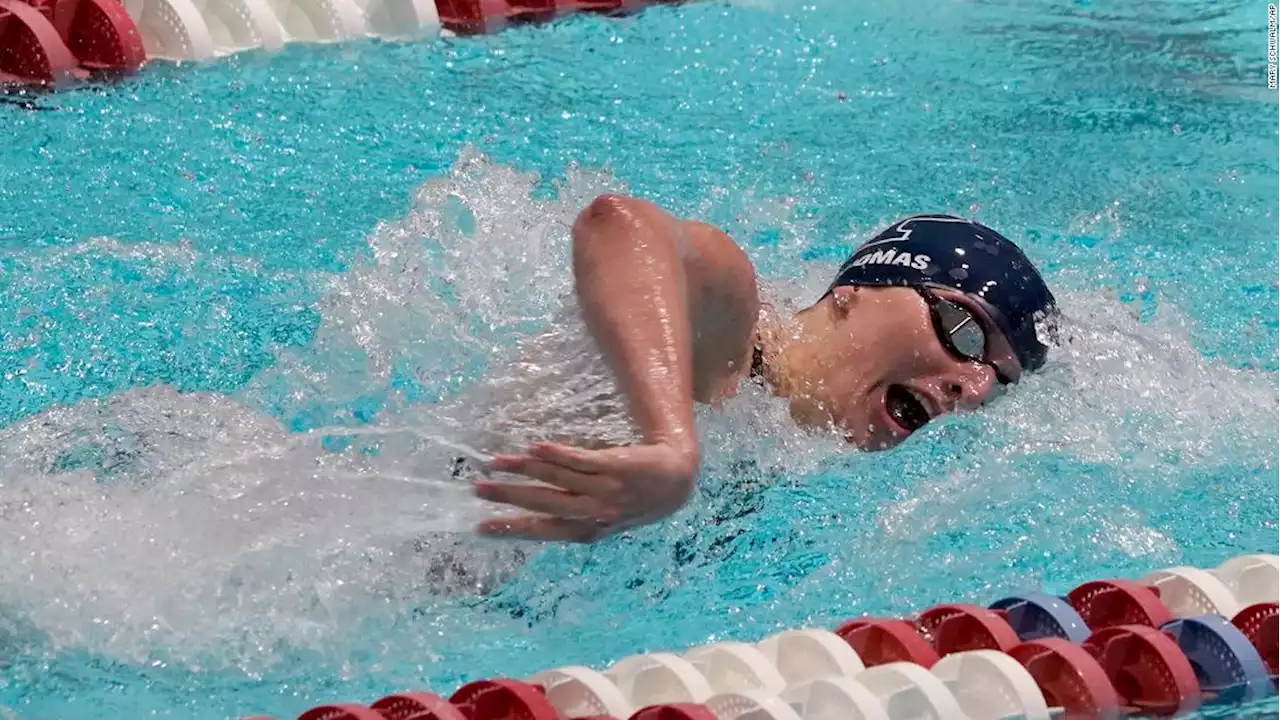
[[960, 330]]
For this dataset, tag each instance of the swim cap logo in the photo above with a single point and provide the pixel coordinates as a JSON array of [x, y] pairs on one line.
[[915, 261]]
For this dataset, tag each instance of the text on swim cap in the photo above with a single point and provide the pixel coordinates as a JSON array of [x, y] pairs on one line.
[[889, 256]]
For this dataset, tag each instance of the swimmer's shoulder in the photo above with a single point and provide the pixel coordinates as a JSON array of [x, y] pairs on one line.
[[727, 303], [722, 266]]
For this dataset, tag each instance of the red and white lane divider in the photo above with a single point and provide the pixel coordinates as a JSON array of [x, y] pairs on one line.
[[38, 45], [1174, 641]]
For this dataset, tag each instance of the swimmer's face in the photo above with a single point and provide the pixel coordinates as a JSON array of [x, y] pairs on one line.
[[883, 370]]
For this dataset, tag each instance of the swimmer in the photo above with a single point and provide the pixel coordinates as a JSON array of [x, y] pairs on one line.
[[934, 315]]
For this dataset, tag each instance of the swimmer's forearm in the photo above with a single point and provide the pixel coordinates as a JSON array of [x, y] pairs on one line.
[[631, 282]]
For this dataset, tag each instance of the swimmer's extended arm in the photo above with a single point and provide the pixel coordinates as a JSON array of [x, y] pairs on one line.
[[672, 305]]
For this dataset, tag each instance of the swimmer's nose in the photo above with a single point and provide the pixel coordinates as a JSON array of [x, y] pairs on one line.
[[969, 385]]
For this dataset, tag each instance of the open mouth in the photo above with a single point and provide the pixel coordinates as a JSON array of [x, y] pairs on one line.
[[906, 407]]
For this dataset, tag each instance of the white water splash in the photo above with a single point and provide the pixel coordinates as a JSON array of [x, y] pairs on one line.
[[195, 528], [1135, 392]]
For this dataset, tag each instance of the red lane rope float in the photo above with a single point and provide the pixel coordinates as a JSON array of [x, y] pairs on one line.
[[31, 50], [884, 640], [1146, 668], [502, 699], [100, 34], [420, 705], [957, 627], [1070, 678], [542, 10], [473, 17], [1108, 603], [1260, 623]]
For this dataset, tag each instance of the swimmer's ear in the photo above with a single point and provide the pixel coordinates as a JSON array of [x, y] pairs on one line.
[[843, 298]]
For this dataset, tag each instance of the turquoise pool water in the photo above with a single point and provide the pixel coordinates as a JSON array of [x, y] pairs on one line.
[[200, 263]]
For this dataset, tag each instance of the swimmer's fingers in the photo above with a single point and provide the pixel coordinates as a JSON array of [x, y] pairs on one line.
[[542, 527], [549, 500], [552, 473], [584, 461]]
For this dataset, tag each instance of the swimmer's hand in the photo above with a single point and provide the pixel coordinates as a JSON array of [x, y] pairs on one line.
[[588, 494]]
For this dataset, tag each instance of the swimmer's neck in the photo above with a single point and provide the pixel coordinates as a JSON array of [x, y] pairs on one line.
[[781, 339]]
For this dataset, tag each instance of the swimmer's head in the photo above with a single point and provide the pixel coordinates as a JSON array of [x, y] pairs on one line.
[[932, 315]]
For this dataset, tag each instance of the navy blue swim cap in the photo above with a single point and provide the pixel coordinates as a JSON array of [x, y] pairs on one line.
[[965, 255]]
